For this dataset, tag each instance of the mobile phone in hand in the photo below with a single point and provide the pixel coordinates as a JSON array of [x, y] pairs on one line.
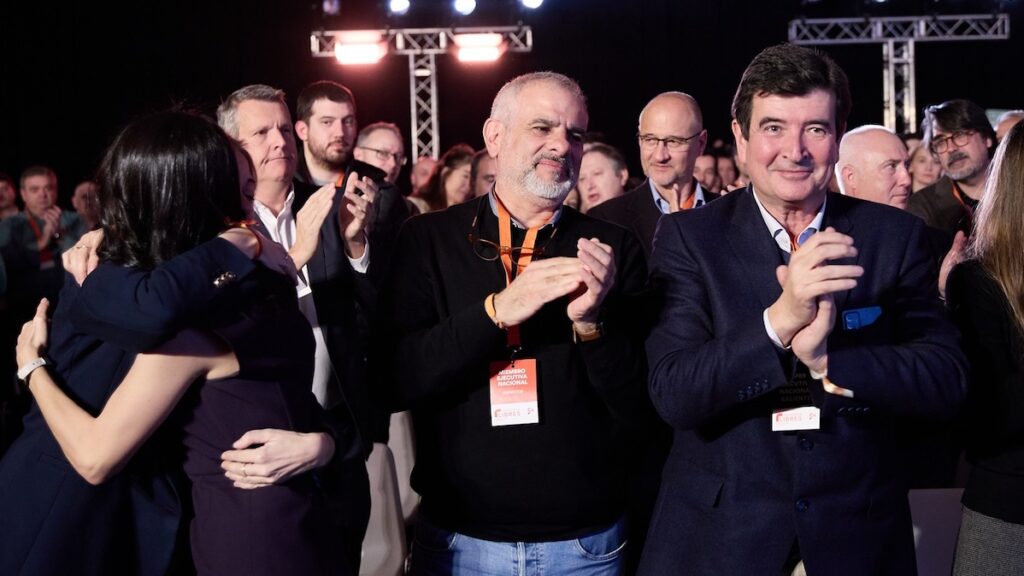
[[365, 171]]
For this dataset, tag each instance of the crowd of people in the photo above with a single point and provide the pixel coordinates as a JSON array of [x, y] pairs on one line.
[[738, 364]]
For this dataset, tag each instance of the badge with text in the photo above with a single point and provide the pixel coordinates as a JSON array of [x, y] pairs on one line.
[[802, 418], [793, 409], [514, 392]]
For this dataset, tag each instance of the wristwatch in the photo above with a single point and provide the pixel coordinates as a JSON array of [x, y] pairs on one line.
[[596, 333], [27, 369]]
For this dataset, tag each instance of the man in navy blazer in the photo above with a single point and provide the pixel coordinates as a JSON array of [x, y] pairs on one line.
[[799, 330]]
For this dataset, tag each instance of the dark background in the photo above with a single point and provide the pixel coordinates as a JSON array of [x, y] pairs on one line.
[[73, 72]]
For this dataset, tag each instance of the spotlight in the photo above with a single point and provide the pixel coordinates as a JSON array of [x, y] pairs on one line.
[[398, 7], [532, 4], [479, 47], [464, 7], [360, 47]]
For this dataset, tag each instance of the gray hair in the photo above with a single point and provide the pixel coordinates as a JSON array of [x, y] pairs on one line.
[[504, 101], [371, 128], [227, 112]]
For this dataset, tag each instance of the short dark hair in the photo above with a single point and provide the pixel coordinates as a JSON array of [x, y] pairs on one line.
[[318, 91], [167, 183], [611, 153], [790, 70], [4, 177], [35, 170], [954, 115]]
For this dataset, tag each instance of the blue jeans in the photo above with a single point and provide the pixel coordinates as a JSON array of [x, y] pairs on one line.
[[438, 552]]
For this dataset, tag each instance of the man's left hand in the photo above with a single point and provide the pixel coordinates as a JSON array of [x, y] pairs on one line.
[[598, 277], [354, 219], [810, 344], [264, 457]]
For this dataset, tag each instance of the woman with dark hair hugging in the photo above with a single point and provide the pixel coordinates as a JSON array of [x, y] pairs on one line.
[[168, 183]]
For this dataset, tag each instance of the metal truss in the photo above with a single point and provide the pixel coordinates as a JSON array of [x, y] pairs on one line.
[[897, 35], [422, 45]]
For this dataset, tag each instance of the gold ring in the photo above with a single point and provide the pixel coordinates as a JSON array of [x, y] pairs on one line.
[[244, 475]]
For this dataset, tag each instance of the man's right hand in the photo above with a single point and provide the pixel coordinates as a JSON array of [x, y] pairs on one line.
[[808, 277], [308, 222], [541, 282], [51, 226]]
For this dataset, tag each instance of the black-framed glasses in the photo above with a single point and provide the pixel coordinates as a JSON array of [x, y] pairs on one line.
[[945, 143], [384, 155], [491, 251], [673, 143]]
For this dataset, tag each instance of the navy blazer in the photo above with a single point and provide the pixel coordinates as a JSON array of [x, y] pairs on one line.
[[636, 210], [735, 496]]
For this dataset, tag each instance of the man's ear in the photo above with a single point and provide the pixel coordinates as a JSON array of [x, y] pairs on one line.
[[849, 177], [493, 131], [741, 142], [302, 130]]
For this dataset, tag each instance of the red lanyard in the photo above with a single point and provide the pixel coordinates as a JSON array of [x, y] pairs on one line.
[[505, 248], [45, 255]]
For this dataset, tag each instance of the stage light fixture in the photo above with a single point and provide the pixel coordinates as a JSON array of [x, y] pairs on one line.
[[398, 7], [464, 7], [479, 47], [532, 4], [360, 47]]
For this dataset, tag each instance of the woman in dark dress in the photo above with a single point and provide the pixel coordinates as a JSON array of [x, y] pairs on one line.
[[986, 296], [168, 183]]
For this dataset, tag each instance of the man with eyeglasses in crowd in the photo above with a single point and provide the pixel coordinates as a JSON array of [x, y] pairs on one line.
[[512, 342], [671, 137], [959, 133]]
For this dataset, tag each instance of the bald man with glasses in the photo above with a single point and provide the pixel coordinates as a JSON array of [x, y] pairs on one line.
[[671, 136]]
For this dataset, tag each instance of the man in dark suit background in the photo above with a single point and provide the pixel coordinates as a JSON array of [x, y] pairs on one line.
[[799, 330], [671, 136]]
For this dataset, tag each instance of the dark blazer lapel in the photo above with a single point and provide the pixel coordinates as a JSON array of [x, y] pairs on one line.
[[753, 248], [837, 216]]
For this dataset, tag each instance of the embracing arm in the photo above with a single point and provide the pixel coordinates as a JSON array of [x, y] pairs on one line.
[[98, 447], [138, 310]]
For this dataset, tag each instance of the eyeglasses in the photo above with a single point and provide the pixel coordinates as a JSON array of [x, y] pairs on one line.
[[945, 143], [673, 143], [384, 155], [490, 251]]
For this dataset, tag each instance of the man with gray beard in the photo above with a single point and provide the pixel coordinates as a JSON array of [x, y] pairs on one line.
[[958, 132], [512, 343]]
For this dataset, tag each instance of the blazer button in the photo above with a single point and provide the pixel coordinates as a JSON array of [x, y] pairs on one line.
[[806, 444], [802, 505], [224, 279]]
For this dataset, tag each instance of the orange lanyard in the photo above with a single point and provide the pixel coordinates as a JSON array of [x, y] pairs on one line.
[[686, 205], [505, 248], [959, 198]]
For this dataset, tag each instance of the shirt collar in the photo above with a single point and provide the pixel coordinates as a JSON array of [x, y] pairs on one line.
[[662, 204], [493, 201], [779, 233], [264, 212]]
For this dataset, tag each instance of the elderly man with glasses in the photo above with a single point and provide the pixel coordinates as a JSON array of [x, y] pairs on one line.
[[671, 137]]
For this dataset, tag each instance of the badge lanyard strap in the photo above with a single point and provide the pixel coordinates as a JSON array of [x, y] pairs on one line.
[[45, 255], [525, 256], [958, 194]]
